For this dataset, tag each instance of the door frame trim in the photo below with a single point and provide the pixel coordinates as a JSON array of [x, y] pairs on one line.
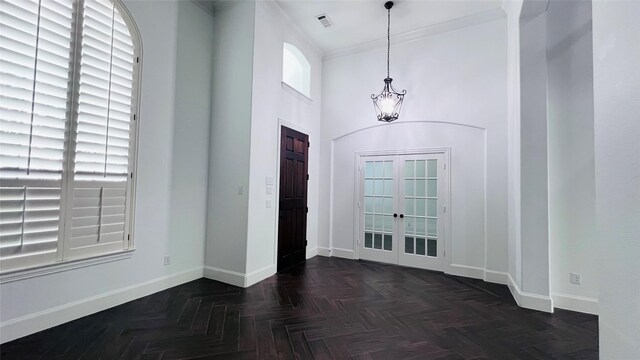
[[445, 151], [276, 184]]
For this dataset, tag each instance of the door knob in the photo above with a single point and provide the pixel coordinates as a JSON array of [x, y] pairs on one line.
[[401, 216], [395, 215]]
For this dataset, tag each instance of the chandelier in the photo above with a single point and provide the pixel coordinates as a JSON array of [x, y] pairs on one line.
[[389, 102]]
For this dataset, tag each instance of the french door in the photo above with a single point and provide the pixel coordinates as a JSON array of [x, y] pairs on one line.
[[402, 209]]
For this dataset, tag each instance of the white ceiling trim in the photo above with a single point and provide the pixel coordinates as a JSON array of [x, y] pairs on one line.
[[203, 7], [274, 6], [475, 19]]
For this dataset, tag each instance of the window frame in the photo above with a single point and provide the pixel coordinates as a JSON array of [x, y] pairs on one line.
[[62, 263], [303, 61]]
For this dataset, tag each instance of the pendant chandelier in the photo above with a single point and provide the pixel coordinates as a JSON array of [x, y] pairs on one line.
[[389, 102]]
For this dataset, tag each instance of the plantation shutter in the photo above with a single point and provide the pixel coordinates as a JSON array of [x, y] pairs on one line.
[[35, 68], [98, 200]]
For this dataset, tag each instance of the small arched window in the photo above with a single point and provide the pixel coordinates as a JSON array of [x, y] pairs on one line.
[[68, 103], [296, 70]]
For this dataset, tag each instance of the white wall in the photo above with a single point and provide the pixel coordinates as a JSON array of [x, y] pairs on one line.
[[513, 9], [191, 132], [533, 150], [226, 244], [249, 105], [572, 238], [457, 88], [272, 104], [36, 303], [616, 55]]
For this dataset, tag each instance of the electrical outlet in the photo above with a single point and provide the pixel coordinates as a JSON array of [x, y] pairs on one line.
[[167, 260], [575, 278]]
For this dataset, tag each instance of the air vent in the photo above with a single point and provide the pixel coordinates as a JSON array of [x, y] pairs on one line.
[[324, 20]]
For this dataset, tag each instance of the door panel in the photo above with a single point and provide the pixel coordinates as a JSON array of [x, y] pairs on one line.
[[422, 200], [378, 242], [402, 209], [292, 225]]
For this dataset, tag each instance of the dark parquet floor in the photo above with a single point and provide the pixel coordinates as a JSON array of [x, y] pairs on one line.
[[327, 308]]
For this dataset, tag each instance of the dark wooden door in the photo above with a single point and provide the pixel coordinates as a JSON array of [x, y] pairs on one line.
[[292, 227]]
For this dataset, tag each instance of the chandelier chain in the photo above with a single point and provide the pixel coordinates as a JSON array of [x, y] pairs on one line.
[[388, 38]]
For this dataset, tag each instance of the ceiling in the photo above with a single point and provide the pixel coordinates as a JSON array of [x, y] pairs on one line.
[[361, 21]]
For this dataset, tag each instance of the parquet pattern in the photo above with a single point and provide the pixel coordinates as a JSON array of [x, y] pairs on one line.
[[328, 308]]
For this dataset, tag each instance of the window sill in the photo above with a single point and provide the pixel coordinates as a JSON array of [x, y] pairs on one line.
[[291, 90], [21, 274]]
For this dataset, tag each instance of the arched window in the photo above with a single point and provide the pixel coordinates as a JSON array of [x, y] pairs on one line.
[[296, 70], [68, 102]]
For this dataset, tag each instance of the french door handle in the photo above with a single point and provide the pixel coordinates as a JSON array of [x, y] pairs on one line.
[[395, 215], [401, 216]]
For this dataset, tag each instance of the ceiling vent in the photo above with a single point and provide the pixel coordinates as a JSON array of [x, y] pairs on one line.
[[324, 20]]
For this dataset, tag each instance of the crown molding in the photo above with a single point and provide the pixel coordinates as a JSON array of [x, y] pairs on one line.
[[412, 35], [273, 5], [203, 7]]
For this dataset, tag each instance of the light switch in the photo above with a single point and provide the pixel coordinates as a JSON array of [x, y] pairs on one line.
[[268, 190], [268, 204], [240, 190]]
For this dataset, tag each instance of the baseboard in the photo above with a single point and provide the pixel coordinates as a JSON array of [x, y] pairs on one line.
[[225, 276], [529, 300], [466, 271], [237, 278], [575, 303], [32, 323], [312, 252], [324, 251], [342, 253], [496, 277], [259, 275]]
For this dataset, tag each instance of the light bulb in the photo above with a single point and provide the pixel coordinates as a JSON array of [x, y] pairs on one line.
[[387, 105]]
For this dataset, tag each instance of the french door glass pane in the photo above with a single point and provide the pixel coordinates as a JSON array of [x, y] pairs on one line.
[[388, 187], [378, 172], [388, 169], [368, 204], [368, 222], [378, 187], [420, 168], [388, 205], [432, 227], [409, 188], [432, 247], [377, 241], [409, 206], [368, 187], [421, 206], [368, 169], [387, 242], [368, 240], [409, 169], [432, 188], [432, 168], [420, 229], [409, 227], [432, 207], [420, 246], [408, 245], [378, 204], [420, 185]]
